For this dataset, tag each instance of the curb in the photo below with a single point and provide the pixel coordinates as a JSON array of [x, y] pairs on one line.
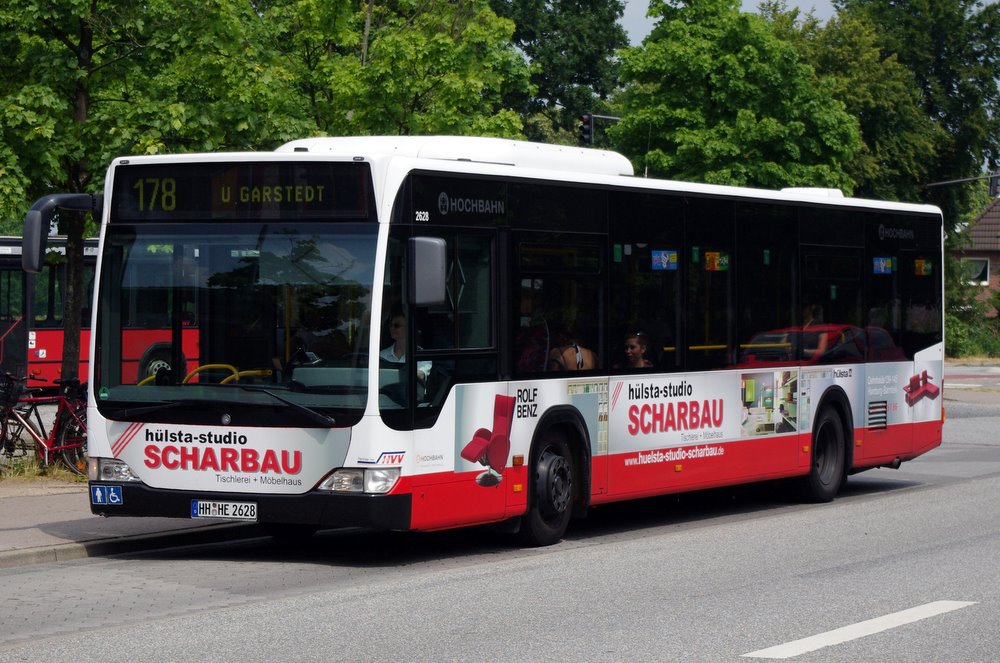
[[123, 545]]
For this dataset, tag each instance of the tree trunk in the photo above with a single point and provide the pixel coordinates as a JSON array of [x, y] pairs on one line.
[[74, 224]]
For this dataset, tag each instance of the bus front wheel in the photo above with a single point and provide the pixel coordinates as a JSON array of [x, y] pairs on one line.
[[550, 502], [826, 472]]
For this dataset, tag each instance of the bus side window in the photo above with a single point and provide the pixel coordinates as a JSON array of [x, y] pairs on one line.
[[767, 314], [646, 262], [561, 304], [710, 230]]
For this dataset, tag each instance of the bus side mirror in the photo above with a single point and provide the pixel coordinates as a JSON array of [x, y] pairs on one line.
[[38, 221], [427, 261], [33, 242]]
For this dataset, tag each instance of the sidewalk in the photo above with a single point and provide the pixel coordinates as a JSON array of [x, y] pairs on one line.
[[43, 520]]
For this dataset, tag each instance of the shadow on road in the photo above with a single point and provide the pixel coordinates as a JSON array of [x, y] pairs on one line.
[[365, 549]]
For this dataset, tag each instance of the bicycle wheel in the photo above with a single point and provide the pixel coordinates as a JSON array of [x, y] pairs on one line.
[[9, 448], [73, 441], [17, 441], [18, 444]]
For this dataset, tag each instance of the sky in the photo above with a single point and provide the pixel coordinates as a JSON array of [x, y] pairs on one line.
[[638, 26]]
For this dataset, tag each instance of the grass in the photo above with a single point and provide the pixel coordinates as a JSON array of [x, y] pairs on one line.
[[29, 467]]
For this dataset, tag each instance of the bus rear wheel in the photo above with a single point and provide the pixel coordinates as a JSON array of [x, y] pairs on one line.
[[550, 502], [826, 473]]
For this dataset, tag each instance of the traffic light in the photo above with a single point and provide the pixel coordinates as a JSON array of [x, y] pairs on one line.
[[587, 129]]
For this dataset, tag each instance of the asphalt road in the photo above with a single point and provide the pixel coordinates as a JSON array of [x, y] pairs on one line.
[[901, 567]]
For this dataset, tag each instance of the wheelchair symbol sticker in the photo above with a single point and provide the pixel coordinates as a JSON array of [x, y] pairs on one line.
[[110, 495]]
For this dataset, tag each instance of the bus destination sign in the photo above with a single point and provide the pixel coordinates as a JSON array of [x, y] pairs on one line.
[[243, 190]]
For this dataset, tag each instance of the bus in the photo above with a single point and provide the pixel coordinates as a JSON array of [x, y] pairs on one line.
[[32, 310], [378, 321]]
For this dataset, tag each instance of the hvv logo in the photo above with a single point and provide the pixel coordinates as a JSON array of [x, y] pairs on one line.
[[385, 458]]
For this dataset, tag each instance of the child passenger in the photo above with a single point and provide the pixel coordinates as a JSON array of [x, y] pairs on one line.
[[635, 351]]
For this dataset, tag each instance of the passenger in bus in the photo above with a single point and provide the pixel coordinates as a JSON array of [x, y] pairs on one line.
[[532, 344], [396, 352], [814, 341], [636, 347], [812, 315], [569, 355]]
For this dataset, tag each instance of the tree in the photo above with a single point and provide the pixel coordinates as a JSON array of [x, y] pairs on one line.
[[443, 70], [60, 50], [714, 95], [952, 49], [898, 140], [571, 46], [401, 68]]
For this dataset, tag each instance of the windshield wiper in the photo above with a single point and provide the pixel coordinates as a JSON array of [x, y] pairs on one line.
[[129, 413], [311, 414]]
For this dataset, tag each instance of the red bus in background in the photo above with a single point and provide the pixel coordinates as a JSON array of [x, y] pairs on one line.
[[31, 319]]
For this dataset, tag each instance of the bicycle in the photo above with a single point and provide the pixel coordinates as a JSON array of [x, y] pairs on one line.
[[22, 426]]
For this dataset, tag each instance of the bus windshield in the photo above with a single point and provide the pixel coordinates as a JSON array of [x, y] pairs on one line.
[[254, 323]]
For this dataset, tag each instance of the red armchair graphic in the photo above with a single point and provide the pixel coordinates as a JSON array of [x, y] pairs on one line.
[[491, 447], [919, 387]]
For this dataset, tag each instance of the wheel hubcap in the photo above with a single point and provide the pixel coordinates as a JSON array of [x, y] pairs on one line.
[[556, 484]]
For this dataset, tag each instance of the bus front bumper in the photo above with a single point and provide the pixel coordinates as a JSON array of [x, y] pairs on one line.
[[319, 508]]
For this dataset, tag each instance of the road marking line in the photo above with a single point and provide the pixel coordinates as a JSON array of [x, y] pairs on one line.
[[859, 630]]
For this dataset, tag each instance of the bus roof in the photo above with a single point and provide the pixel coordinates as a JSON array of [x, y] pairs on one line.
[[500, 151], [604, 165]]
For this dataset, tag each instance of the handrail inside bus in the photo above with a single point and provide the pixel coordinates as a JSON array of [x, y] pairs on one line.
[[7, 333], [3, 339]]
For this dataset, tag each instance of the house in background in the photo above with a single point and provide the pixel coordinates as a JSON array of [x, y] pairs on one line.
[[980, 254]]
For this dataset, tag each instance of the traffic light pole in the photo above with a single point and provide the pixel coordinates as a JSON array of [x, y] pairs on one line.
[[586, 127]]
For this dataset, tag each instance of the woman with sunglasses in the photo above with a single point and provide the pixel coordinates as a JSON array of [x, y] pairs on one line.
[[396, 353]]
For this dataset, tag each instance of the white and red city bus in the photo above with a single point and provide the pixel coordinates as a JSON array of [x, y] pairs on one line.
[[428, 332]]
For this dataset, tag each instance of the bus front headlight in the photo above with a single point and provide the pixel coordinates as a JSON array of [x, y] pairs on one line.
[[381, 480], [375, 480], [109, 469]]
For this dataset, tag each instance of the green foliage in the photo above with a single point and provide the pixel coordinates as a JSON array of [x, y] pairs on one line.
[[571, 46], [951, 49], [715, 95], [970, 339], [898, 139], [441, 71]]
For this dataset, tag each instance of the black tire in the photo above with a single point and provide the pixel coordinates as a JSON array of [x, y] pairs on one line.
[[73, 433], [826, 472], [551, 491]]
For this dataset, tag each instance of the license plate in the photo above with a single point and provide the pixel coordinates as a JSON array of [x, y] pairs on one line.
[[223, 510]]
